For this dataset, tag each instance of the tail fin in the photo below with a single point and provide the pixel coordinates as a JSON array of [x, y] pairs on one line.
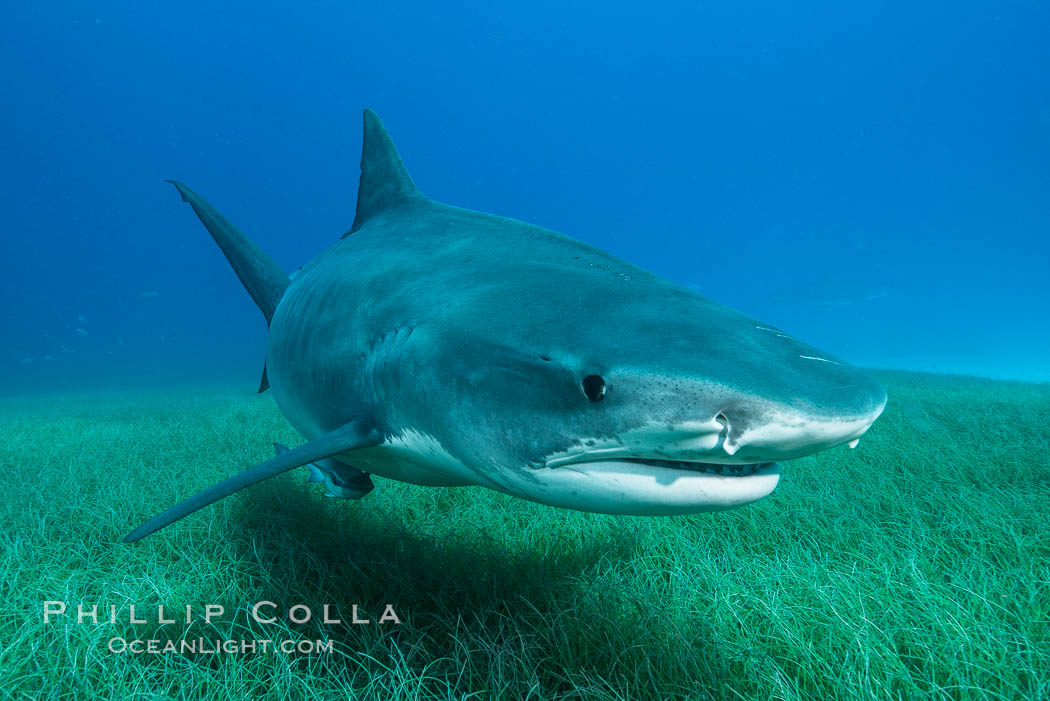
[[263, 279]]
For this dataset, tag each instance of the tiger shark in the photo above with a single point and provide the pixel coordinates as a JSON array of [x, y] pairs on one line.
[[441, 346]]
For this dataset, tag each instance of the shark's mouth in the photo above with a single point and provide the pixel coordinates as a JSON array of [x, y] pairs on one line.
[[648, 486], [705, 467], [585, 461]]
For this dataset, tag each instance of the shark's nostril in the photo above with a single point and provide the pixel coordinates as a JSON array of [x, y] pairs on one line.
[[723, 435], [726, 439]]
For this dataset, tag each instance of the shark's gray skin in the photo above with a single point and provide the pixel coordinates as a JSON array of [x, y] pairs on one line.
[[442, 346]]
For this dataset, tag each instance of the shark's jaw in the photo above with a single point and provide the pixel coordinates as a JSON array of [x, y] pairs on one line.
[[709, 468], [651, 487]]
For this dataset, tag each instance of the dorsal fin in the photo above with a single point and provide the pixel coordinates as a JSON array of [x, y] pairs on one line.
[[385, 184]]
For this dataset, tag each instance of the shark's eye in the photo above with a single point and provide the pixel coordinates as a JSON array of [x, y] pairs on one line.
[[594, 387]]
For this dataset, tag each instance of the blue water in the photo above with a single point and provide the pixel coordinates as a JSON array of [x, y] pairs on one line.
[[872, 177]]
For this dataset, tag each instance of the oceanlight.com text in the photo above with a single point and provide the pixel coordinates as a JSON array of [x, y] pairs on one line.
[[228, 646]]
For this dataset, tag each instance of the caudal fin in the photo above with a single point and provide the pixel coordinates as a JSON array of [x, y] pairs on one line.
[[264, 279]]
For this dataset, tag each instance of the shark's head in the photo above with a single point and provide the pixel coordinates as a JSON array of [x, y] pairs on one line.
[[641, 398]]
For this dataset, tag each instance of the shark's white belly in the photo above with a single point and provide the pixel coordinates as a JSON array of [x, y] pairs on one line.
[[412, 457], [408, 457]]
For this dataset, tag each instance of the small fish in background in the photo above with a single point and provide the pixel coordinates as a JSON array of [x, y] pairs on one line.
[[64, 349], [82, 332], [27, 360], [120, 341], [50, 358], [81, 319], [147, 294]]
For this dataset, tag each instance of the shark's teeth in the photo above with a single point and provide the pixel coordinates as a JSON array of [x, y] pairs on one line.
[[710, 468], [687, 466]]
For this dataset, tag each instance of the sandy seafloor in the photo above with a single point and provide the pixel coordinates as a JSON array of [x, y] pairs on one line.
[[916, 566]]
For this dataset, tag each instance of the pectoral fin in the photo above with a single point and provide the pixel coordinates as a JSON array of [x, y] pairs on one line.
[[341, 480], [356, 434]]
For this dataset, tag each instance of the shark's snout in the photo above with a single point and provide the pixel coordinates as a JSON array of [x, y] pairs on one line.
[[760, 431], [784, 435]]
